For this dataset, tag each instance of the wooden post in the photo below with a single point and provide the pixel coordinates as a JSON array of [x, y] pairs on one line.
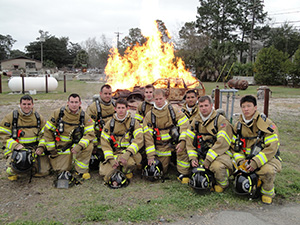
[[65, 84], [266, 101], [23, 84], [0, 83], [46, 77], [217, 98]]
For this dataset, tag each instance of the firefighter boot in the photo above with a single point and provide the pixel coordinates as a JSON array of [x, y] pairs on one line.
[[129, 175], [218, 189], [183, 179], [83, 176], [266, 199], [13, 177]]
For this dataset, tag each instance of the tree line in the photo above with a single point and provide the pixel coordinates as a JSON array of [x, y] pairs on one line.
[[227, 38]]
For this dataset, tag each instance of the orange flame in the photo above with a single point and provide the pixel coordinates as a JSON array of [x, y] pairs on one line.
[[144, 64]]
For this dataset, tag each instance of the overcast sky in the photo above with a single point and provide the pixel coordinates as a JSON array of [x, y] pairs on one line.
[[83, 19]]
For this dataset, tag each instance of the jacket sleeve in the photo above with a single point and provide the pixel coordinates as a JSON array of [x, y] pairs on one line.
[[148, 135], [182, 123], [191, 149], [271, 145], [137, 115], [48, 139], [41, 134], [237, 156], [6, 134], [138, 141], [88, 133], [105, 143], [223, 142]]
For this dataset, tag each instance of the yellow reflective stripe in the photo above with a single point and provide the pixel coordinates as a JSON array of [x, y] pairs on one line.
[[137, 131], [10, 142], [81, 164], [148, 129], [262, 158], [183, 164], [165, 137], [107, 153], [248, 151], [88, 129], [190, 133], [9, 171], [64, 138], [66, 152], [85, 142], [182, 121], [182, 135], [28, 139], [105, 136], [271, 139], [233, 138], [192, 153], [134, 147], [212, 154], [150, 149], [238, 156], [50, 144], [139, 117], [223, 134], [123, 144], [270, 193], [229, 153], [4, 130], [7, 151], [50, 126], [163, 153]]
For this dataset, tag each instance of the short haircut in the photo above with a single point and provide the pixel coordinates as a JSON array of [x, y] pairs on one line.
[[204, 98], [122, 101], [74, 95], [159, 92], [105, 86], [26, 97], [192, 91], [150, 86], [248, 98]]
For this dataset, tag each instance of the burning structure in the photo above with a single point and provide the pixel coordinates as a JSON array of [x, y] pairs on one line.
[[151, 63]]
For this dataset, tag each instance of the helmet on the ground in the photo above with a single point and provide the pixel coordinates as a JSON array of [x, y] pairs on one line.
[[94, 162], [22, 160], [154, 171], [246, 184], [65, 180], [201, 178], [118, 180]]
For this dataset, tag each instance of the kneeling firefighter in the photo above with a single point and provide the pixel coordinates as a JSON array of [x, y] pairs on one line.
[[68, 132], [208, 142], [121, 140]]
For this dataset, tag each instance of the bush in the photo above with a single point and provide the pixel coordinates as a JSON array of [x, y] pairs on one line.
[[295, 71], [271, 67]]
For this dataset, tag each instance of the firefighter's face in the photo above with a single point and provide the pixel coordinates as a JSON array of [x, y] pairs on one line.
[[159, 100], [26, 106], [105, 94], [191, 99], [248, 110], [121, 110], [74, 104], [148, 94], [205, 108]]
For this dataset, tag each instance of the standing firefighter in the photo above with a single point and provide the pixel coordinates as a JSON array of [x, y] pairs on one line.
[[100, 111], [70, 131], [190, 108], [145, 106], [121, 138], [165, 132], [208, 143], [20, 134], [256, 147]]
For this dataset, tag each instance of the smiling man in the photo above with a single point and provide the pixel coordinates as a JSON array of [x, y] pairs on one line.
[[68, 132], [20, 133], [190, 107]]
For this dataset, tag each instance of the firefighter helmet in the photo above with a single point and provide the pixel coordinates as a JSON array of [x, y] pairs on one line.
[[201, 178], [22, 160], [154, 171], [246, 184], [118, 180]]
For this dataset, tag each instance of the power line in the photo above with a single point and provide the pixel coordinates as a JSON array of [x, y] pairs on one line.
[[284, 13]]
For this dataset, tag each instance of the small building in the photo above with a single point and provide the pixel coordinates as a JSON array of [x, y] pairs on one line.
[[21, 62]]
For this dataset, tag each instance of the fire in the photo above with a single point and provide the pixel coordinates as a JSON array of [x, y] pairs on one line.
[[142, 65]]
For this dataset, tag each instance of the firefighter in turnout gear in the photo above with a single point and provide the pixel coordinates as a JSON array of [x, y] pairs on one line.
[[21, 130], [208, 142], [70, 131], [190, 108], [101, 111], [121, 139], [165, 131], [256, 146], [145, 106]]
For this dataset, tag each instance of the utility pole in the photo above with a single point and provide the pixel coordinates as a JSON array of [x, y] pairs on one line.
[[252, 27], [42, 39], [118, 36]]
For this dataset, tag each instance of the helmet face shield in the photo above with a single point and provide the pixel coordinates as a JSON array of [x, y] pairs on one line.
[[118, 180], [153, 172], [22, 160], [201, 179]]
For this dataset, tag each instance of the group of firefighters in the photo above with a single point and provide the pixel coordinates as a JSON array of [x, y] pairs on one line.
[[207, 149]]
